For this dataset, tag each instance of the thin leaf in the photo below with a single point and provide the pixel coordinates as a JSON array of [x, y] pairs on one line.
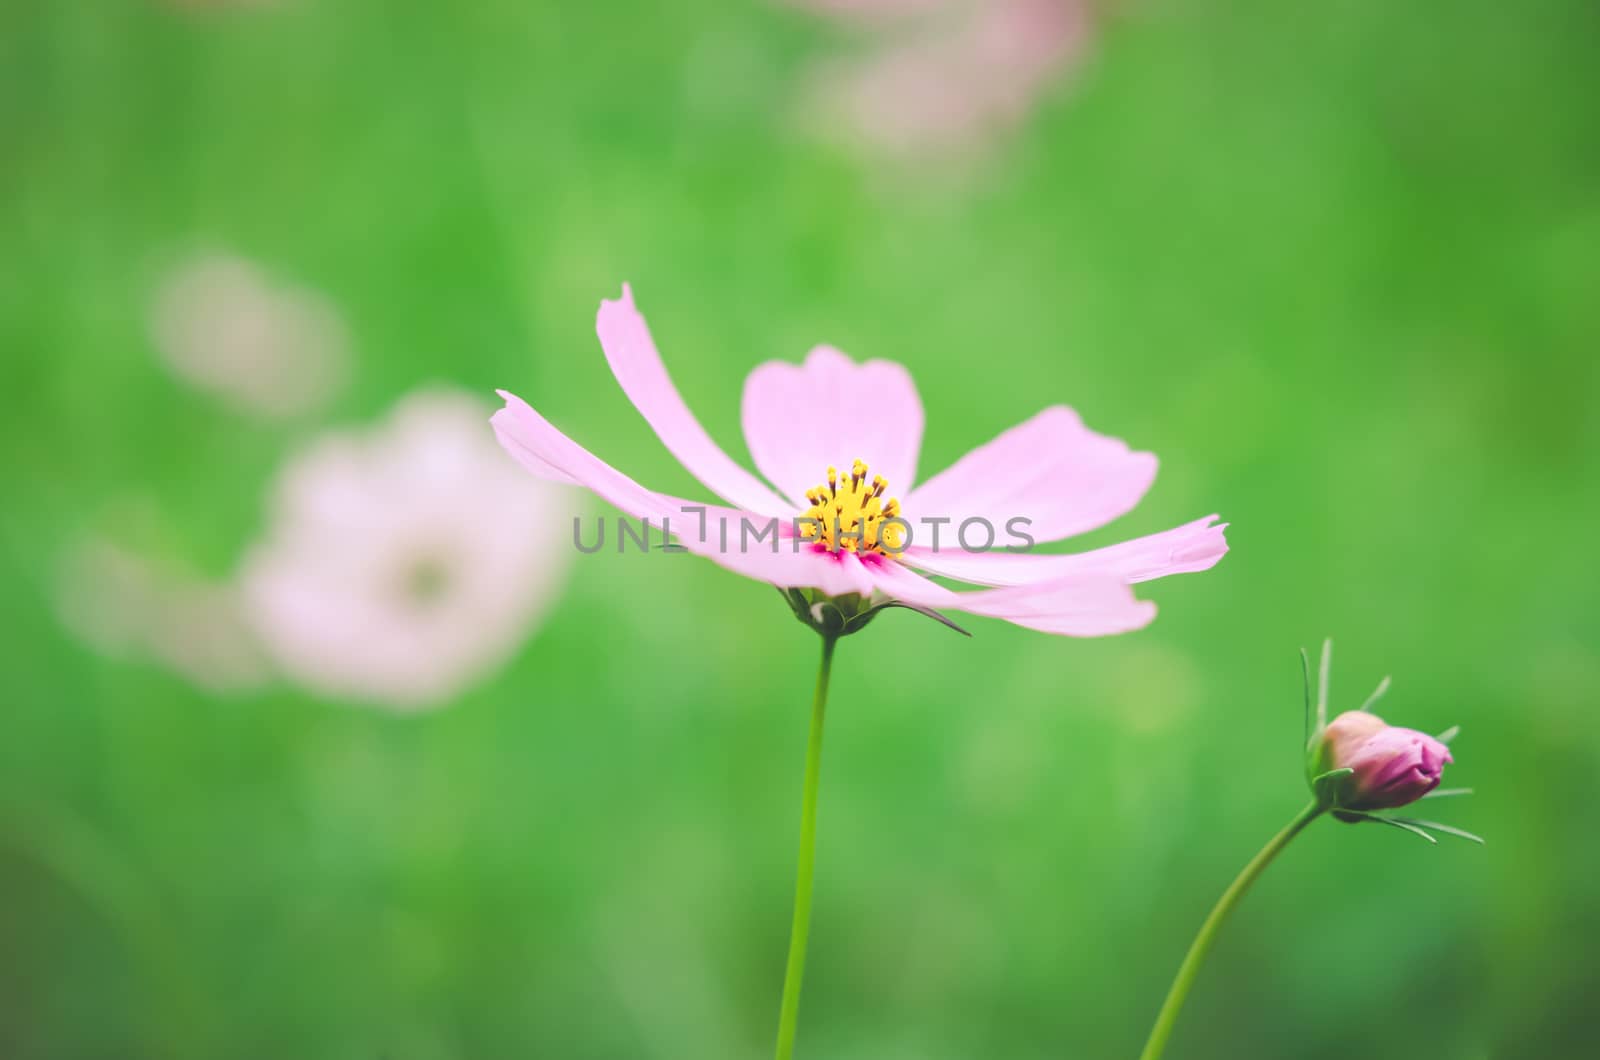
[[1322, 684], [1330, 774], [1403, 826], [1305, 675], [1445, 793], [1449, 734], [1460, 833], [1377, 694]]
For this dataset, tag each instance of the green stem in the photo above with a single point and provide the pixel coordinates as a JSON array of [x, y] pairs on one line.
[[789, 1015], [1208, 931]]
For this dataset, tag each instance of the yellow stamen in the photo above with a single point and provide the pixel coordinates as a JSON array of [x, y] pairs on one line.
[[850, 515]]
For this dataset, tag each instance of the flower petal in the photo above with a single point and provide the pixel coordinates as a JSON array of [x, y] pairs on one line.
[[634, 361], [800, 419], [714, 532], [1051, 470], [1078, 606], [1194, 546]]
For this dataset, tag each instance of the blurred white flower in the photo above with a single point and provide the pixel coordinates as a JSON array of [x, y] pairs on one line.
[[223, 325], [131, 607], [948, 81], [405, 562]]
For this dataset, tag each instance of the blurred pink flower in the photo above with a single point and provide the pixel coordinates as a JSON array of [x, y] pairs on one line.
[[224, 326], [128, 606], [946, 83], [405, 562], [869, 9], [803, 421]]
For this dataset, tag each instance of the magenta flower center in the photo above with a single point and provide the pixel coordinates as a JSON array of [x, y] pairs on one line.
[[851, 515]]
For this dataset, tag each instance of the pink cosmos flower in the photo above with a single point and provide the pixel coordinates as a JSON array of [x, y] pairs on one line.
[[405, 562], [804, 421]]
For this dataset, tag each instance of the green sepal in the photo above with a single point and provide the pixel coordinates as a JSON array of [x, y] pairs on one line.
[[1324, 786], [1310, 718], [1377, 694], [840, 616], [1316, 710], [1414, 825], [1443, 829], [937, 616], [1352, 817]]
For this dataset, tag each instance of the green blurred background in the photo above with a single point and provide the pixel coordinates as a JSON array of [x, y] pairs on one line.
[[1336, 264]]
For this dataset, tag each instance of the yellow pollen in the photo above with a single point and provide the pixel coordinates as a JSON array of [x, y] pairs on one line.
[[851, 514]]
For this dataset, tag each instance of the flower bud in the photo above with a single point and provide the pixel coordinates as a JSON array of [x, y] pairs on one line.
[[1392, 766]]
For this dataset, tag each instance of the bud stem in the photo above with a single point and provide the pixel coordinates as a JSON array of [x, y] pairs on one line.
[[789, 1014], [1201, 946]]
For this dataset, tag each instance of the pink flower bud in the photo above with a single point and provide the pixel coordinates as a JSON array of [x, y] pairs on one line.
[[1392, 766]]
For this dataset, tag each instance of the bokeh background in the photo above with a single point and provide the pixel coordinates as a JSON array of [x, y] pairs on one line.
[[1336, 264]]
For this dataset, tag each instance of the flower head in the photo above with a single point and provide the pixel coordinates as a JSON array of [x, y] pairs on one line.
[[1389, 766], [404, 562], [845, 516], [1359, 763]]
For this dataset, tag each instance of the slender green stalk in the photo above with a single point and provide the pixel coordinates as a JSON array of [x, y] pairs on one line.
[[789, 1015], [1208, 931]]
